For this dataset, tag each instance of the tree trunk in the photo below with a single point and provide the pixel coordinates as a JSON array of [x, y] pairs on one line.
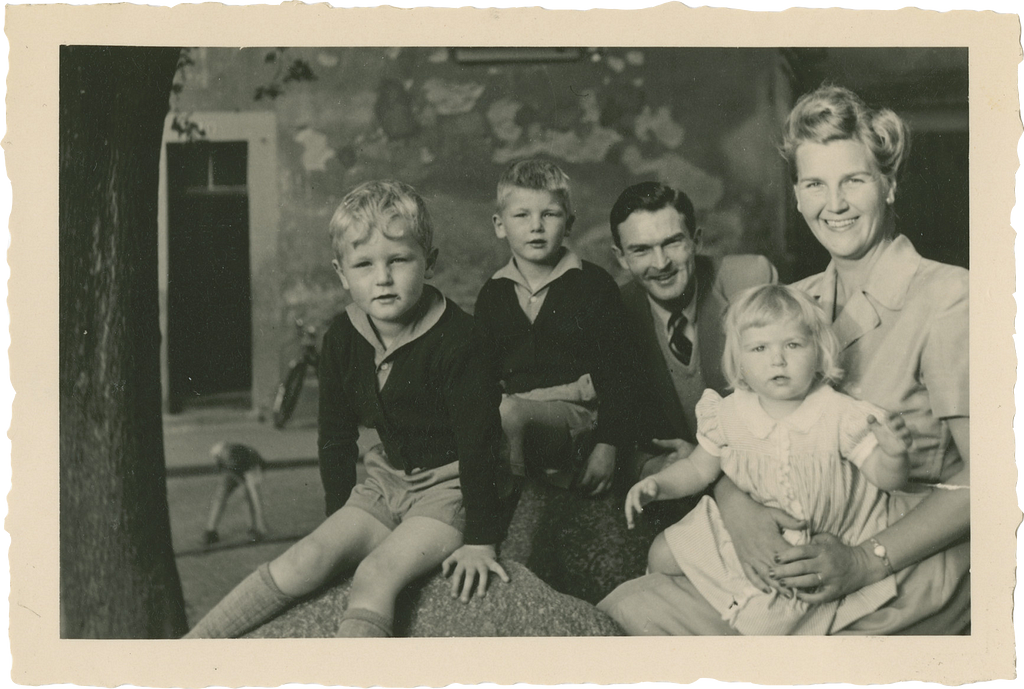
[[118, 577]]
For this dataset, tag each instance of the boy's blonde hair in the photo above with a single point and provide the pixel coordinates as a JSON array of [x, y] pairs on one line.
[[539, 175], [759, 306], [373, 205]]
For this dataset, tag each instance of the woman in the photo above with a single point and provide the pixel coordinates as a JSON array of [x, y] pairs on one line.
[[902, 322]]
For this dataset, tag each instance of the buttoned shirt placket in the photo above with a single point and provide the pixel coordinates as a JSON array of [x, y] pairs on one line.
[[531, 300], [383, 356]]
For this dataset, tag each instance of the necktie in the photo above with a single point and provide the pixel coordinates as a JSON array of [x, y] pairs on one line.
[[678, 342]]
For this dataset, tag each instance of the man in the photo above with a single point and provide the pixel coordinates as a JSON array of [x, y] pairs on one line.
[[675, 303]]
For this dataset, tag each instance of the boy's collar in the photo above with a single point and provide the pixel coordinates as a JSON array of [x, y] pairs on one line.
[[429, 310], [568, 261]]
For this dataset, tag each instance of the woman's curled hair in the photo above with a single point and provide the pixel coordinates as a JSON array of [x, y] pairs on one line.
[[833, 113]]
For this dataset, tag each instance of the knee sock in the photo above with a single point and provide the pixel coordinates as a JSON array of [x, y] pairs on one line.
[[360, 622], [252, 602]]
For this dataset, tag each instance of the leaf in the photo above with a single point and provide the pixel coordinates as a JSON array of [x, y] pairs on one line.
[[299, 71]]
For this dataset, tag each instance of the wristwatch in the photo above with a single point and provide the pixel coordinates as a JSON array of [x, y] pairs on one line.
[[878, 550]]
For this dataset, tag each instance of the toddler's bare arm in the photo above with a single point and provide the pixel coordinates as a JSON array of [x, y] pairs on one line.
[[888, 466]]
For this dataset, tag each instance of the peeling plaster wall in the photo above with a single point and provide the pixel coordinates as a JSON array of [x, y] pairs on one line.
[[700, 119]]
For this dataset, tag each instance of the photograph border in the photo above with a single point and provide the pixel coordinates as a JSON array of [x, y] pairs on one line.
[[39, 656]]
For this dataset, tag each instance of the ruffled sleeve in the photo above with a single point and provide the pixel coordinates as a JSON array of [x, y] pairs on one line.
[[856, 441], [709, 431]]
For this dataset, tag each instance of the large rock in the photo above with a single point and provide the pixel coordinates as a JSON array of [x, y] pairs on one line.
[[564, 553], [580, 545], [526, 606]]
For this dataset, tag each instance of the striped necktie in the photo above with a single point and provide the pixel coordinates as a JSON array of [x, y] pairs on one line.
[[678, 342]]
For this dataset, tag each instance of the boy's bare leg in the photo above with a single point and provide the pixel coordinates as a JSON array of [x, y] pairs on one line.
[[539, 429], [225, 486], [660, 557], [339, 543], [252, 491], [417, 546]]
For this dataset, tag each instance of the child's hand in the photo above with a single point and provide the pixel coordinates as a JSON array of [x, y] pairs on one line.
[[892, 433], [600, 469], [468, 564], [639, 495]]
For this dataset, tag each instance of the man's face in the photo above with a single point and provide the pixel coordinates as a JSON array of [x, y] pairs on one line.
[[658, 252]]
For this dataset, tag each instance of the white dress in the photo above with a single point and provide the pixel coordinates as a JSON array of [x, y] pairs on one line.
[[804, 464]]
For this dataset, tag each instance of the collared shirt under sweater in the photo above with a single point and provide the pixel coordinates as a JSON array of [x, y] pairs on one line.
[[580, 328]]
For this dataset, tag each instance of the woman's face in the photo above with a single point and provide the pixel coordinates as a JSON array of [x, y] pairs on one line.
[[842, 196]]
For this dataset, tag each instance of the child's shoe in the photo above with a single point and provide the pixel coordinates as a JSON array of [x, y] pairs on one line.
[[210, 536], [255, 536]]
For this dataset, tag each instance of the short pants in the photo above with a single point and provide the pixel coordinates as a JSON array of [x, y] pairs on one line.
[[238, 460], [391, 496]]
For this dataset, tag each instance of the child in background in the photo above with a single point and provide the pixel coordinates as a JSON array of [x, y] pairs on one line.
[[790, 441], [239, 465], [557, 326], [406, 361]]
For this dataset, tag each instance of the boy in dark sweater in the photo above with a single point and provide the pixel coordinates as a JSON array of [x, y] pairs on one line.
[[556, 324], [404, 360]]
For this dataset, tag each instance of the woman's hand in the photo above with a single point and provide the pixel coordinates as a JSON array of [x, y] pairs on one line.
[[639, 495], [825, 569], [469, 564], [756, 531]]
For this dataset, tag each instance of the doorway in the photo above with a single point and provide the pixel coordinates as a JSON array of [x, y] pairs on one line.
[[209, 300]]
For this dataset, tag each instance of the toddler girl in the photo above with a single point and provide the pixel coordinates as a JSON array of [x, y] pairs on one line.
[[790, 441]]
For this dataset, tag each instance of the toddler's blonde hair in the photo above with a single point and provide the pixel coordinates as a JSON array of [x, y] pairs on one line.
[[759, 306]]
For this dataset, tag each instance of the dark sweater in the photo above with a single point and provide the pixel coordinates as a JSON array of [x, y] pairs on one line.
[[580, 329], [438, 405]]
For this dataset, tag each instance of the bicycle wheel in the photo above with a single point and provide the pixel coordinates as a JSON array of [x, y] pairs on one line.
[[288, 393]]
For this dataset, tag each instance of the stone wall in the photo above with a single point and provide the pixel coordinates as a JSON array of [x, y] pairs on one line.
[[703, 120]]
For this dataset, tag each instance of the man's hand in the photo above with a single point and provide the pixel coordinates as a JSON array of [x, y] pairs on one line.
[[600, 469], [677, 449], [469, 564]]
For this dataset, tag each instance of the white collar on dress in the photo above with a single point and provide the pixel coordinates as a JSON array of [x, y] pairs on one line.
[[760, 424]]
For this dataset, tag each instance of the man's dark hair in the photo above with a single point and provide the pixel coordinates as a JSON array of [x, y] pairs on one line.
[[650, 197]]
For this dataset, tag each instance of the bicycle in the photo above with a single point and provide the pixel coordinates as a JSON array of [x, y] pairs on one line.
[[288, 391]]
